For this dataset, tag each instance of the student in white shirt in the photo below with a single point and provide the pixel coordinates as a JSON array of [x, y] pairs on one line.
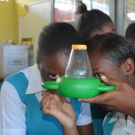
[[113, 56], [20, 110]]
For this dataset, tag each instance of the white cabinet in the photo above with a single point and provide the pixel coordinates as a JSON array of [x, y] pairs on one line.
[[13, 58]]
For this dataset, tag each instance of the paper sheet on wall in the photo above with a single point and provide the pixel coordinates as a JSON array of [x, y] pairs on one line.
[[29, 42]]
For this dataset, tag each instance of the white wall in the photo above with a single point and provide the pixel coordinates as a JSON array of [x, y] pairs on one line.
[[31, 24]]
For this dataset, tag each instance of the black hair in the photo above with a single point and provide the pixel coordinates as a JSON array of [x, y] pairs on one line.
[[90, 21], [113, 47], [56, 38], [130, 31]]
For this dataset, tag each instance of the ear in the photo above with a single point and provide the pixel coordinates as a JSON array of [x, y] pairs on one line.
[[128, 66]]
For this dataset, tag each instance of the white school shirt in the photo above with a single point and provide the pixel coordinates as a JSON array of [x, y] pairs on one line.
[[12, 110], [123, 126]]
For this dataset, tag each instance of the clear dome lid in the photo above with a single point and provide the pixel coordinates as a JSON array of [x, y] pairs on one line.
[[78, 65]]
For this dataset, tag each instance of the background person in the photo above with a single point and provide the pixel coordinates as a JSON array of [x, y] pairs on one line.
[[130, 33]]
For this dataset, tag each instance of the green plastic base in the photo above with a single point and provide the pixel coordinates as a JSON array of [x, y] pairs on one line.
[[78, 87]]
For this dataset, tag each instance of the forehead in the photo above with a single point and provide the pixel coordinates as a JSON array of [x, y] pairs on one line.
[[99, 61], [109, 27], [56, 63]]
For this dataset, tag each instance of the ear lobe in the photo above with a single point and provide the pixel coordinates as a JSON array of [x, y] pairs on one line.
[[129, 66]]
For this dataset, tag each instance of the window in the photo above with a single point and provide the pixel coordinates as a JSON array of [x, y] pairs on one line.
[[130, 9], [64, 10], [129, 13], [102, 5], [106, 6]]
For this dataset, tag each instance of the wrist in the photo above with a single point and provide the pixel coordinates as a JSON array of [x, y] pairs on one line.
[[71, 131]]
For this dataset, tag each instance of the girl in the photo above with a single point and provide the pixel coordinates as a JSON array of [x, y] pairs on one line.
[[20, 110], [113, 56], [93, 22]]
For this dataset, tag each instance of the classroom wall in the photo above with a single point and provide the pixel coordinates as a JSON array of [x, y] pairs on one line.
[[17, 3], [8, 21]]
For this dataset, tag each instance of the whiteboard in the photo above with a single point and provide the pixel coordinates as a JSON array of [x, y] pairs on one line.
[[30, 25]]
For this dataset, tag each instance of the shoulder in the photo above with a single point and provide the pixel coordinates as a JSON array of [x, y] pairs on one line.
[[8, 93], [27, 72], [109, 122], [110, 117]]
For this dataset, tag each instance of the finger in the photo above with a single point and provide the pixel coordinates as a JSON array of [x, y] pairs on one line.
[[110, 81], [43, 101], [49, 92], [63, 100], [45, 92], [45, 107], [57, 76], [45, 98], [100, 99], [57, 97], [106, 108]]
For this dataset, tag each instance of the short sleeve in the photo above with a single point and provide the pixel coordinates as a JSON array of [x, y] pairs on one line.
[[12, 111], [85, 115]]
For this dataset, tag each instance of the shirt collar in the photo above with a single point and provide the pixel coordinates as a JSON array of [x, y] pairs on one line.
[[123, 126], [34, 85], [120, 117]]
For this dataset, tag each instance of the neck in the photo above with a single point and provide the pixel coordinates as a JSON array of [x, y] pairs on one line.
[[131, 81]]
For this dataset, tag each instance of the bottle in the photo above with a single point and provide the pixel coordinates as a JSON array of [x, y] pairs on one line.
[[78, 65]]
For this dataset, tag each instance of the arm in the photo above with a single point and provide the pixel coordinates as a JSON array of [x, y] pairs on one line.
[[122, 99], [84, 122], [12, 111], [72, 131], [62, 110], [85, 130]]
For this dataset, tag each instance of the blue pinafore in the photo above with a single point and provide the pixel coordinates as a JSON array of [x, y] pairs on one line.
[[37, 123]]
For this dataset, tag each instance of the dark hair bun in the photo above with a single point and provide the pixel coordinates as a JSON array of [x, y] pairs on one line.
[[82, 8]]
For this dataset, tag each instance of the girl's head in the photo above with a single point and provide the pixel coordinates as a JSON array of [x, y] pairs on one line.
[[54, 47], [93, 22], [130, 33], [113, 56]]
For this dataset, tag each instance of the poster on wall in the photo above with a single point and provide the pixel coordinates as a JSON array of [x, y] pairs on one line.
[[29, 42]]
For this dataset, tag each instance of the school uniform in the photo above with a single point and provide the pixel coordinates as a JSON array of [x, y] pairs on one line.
[[20, 110], [116, 123], [97, 119]]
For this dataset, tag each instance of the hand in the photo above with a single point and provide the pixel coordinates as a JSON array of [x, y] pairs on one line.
[[58, 106], [122, 99]]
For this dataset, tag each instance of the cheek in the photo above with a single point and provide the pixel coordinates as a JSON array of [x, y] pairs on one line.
[[44, 76], [133, 42], [116, 74]]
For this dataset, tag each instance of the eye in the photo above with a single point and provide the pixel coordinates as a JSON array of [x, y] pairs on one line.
[[98, 74], [53, 76]]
